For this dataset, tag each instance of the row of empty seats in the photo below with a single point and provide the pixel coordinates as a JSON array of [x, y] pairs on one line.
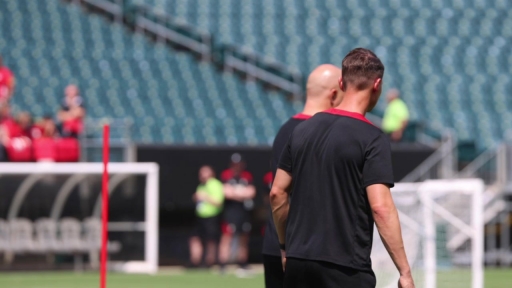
[[46, 236]]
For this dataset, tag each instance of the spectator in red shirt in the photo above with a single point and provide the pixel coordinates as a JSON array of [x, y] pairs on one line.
[[8, 125], [6, 82], [16, 144], [72, 112], [24, 120]]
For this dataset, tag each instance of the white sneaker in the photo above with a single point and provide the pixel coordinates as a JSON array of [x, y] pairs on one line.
[[243, 273]]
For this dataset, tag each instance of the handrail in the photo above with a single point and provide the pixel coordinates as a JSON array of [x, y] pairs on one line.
[[107, 6], [499, 154], [252, 70], [150, 26], [444, 155], [163, 26]]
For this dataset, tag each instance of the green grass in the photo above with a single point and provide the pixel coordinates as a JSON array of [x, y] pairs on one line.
[[494, 278], [197, 279]]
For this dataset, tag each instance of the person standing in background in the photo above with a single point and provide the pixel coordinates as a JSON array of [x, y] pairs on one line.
[[239, 192], [72, 112], [209, 199], [396, 116], [7, 82]]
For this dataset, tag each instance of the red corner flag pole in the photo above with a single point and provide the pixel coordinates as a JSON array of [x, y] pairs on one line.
[[104, 208]]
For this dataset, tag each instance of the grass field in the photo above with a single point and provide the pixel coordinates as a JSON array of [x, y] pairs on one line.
[[494, 278]]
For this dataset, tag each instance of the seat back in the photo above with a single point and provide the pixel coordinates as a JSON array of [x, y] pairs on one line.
[[46, 233], [92, 229], [21, 233], [70, 233], [4, 235]]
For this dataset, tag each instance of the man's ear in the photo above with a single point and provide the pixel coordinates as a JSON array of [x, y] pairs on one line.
[[340, 82], [333, 95], [377, 84]]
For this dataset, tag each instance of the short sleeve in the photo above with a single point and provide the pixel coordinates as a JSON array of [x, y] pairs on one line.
[[378, 168], [285, 161], [226, 175], [247, 176]]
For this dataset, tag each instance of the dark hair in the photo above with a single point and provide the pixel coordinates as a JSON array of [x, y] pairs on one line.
[[360, 68]]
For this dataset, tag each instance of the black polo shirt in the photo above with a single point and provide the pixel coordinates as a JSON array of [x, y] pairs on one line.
[[333, 157], [237, 211], [270, 241]]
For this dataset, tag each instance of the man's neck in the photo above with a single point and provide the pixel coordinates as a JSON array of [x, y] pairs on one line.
[[355, 101], [311, 108]]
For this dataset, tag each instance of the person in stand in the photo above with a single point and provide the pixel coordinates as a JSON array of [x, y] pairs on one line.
[[7, 83], [239, 192], [209, 199], [396, 116], [72, 113]]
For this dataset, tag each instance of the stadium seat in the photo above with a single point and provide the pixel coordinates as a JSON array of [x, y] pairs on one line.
[[21, 232], [71, 235], [4, 236], [46, 236]]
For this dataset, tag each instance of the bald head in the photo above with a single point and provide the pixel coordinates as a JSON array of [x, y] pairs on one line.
[[322, 89], [323, 79]]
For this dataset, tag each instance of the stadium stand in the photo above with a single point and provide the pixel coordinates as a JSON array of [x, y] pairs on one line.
[[447, 73], [172, 97]]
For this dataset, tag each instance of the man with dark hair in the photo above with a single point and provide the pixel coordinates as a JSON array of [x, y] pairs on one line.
[[336, 168], [322, 93], [239, 192]]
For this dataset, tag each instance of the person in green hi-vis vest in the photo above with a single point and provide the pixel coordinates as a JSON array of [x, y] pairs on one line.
[[396, 116], [209, 199]]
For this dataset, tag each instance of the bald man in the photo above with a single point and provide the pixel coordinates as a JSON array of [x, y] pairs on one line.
[[322, 93]]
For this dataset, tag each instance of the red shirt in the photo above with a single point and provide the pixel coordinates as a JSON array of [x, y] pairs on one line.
[[6, 78], [12, 128]]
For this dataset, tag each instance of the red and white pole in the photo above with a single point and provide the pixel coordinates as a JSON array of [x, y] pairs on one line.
[[104, 208]]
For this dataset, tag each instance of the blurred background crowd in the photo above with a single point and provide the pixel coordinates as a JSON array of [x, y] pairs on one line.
[[52, 137]]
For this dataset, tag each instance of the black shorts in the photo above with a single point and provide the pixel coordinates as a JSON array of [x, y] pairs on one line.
[[237, 222], [208, 229], [302, 273], [274, 274]]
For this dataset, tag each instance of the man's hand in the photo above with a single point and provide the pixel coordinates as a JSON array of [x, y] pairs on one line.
[[406, 281], [198, 196], [397, 135], [283, 259]]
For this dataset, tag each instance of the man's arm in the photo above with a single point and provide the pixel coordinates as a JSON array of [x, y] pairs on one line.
[[239, 195], [229, 191], [386, 218], [280, 203]]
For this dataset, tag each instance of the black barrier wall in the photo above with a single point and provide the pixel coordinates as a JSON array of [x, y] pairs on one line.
[[178, 181]]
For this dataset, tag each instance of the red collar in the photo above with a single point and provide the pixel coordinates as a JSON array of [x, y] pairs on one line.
[[301, 116], [354, 115]]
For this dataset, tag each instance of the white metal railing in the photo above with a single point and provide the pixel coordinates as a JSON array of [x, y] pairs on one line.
[[120, 138], [440, 165]]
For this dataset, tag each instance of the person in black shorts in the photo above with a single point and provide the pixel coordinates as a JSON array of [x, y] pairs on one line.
[[209, 198], [322, 92], [337, 170], [239, 192]]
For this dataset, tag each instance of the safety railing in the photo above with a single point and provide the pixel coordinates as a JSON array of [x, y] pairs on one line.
[[440, 165], [121, 143], [164, 28]]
